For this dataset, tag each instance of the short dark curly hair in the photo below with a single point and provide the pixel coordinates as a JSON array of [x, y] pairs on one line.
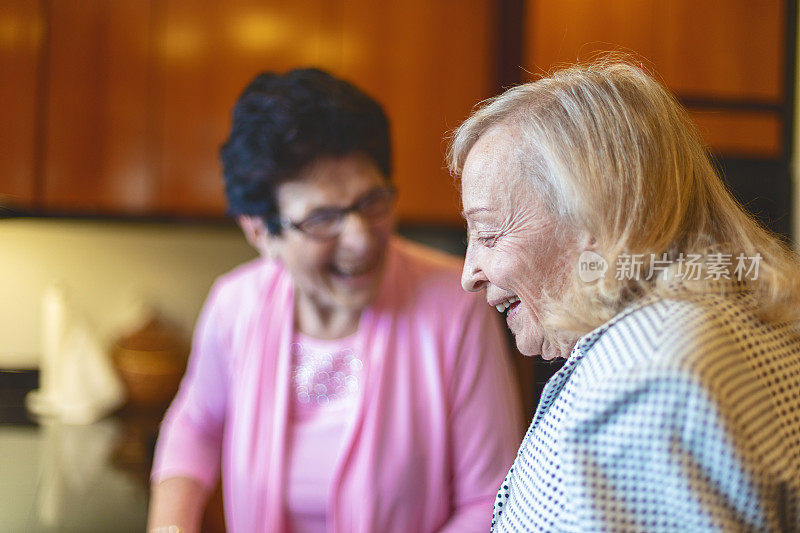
[[282, 123]]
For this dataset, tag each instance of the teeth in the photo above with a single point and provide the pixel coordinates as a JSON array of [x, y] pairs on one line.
[[350, 271], [502, 306]]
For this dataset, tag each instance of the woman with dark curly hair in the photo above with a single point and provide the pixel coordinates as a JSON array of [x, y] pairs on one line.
[[342, 381]]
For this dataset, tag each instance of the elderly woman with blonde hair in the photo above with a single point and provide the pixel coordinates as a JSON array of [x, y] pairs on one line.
[[598, 224]]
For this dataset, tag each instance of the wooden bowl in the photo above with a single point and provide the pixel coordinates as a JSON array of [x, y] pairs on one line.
[[151, 362]]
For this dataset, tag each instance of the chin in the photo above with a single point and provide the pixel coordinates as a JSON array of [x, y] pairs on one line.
[[526, 348], [357, 301], [528, 339]]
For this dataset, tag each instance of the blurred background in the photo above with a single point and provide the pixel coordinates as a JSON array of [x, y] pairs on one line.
[[112, 112]]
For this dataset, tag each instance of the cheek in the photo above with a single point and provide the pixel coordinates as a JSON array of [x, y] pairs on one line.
[[307, 261], [382, 231], [508, 268]]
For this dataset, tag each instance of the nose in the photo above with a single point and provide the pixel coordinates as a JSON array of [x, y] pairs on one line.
[[472, 277], [356, 235]]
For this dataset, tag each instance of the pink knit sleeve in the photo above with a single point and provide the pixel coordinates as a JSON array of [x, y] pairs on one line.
[[190, 438], [486, 419]]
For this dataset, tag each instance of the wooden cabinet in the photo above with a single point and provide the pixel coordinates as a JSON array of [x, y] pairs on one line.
[[712, 53], [205, 53], [22, 26], [98, 143], [428, 63], [136, 95], [722, 49], [120, 106]]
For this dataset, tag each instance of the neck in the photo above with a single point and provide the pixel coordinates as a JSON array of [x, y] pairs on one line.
[[324, 322]]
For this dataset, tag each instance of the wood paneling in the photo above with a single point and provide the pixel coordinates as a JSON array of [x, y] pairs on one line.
[[721, 49], [22, 33], [706, 50], [558, 33], [428, 63], [740, 133], [724, 49], [137, 94], [98, 150], [206, 53]]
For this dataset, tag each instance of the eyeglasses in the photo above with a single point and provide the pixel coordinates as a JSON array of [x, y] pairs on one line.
[[327, 223]]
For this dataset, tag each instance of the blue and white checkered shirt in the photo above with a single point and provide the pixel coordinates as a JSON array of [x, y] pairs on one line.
[[677, 415]]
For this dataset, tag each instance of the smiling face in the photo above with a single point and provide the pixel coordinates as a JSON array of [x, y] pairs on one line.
[[517, 251], [340, 274]]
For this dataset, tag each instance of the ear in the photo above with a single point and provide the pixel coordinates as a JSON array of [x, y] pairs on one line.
[[256, 233]]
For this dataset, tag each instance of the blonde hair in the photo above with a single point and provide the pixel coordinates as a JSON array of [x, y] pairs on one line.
[[611, 152]]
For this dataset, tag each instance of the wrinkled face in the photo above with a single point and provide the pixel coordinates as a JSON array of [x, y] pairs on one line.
[[342, 272], [516, 250]]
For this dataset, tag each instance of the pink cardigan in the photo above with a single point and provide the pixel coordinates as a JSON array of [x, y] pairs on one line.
[[437, 424]]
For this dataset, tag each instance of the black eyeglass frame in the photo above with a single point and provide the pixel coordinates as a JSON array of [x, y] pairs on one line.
[[341, 212]]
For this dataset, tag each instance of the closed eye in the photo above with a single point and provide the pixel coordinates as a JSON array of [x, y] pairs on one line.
[[487, 240], [481, 237]]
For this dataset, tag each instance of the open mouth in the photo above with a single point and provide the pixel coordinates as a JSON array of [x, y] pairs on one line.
[[351, 272], [508, 307], [353, 277]]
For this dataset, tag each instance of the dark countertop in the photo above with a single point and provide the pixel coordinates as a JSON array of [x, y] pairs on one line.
[[71, 478]]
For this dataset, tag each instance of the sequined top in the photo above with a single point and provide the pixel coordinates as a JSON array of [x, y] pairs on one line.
[[326, 377], [324, 371]]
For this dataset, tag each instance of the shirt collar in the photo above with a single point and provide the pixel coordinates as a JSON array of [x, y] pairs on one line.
[[675, 289]]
